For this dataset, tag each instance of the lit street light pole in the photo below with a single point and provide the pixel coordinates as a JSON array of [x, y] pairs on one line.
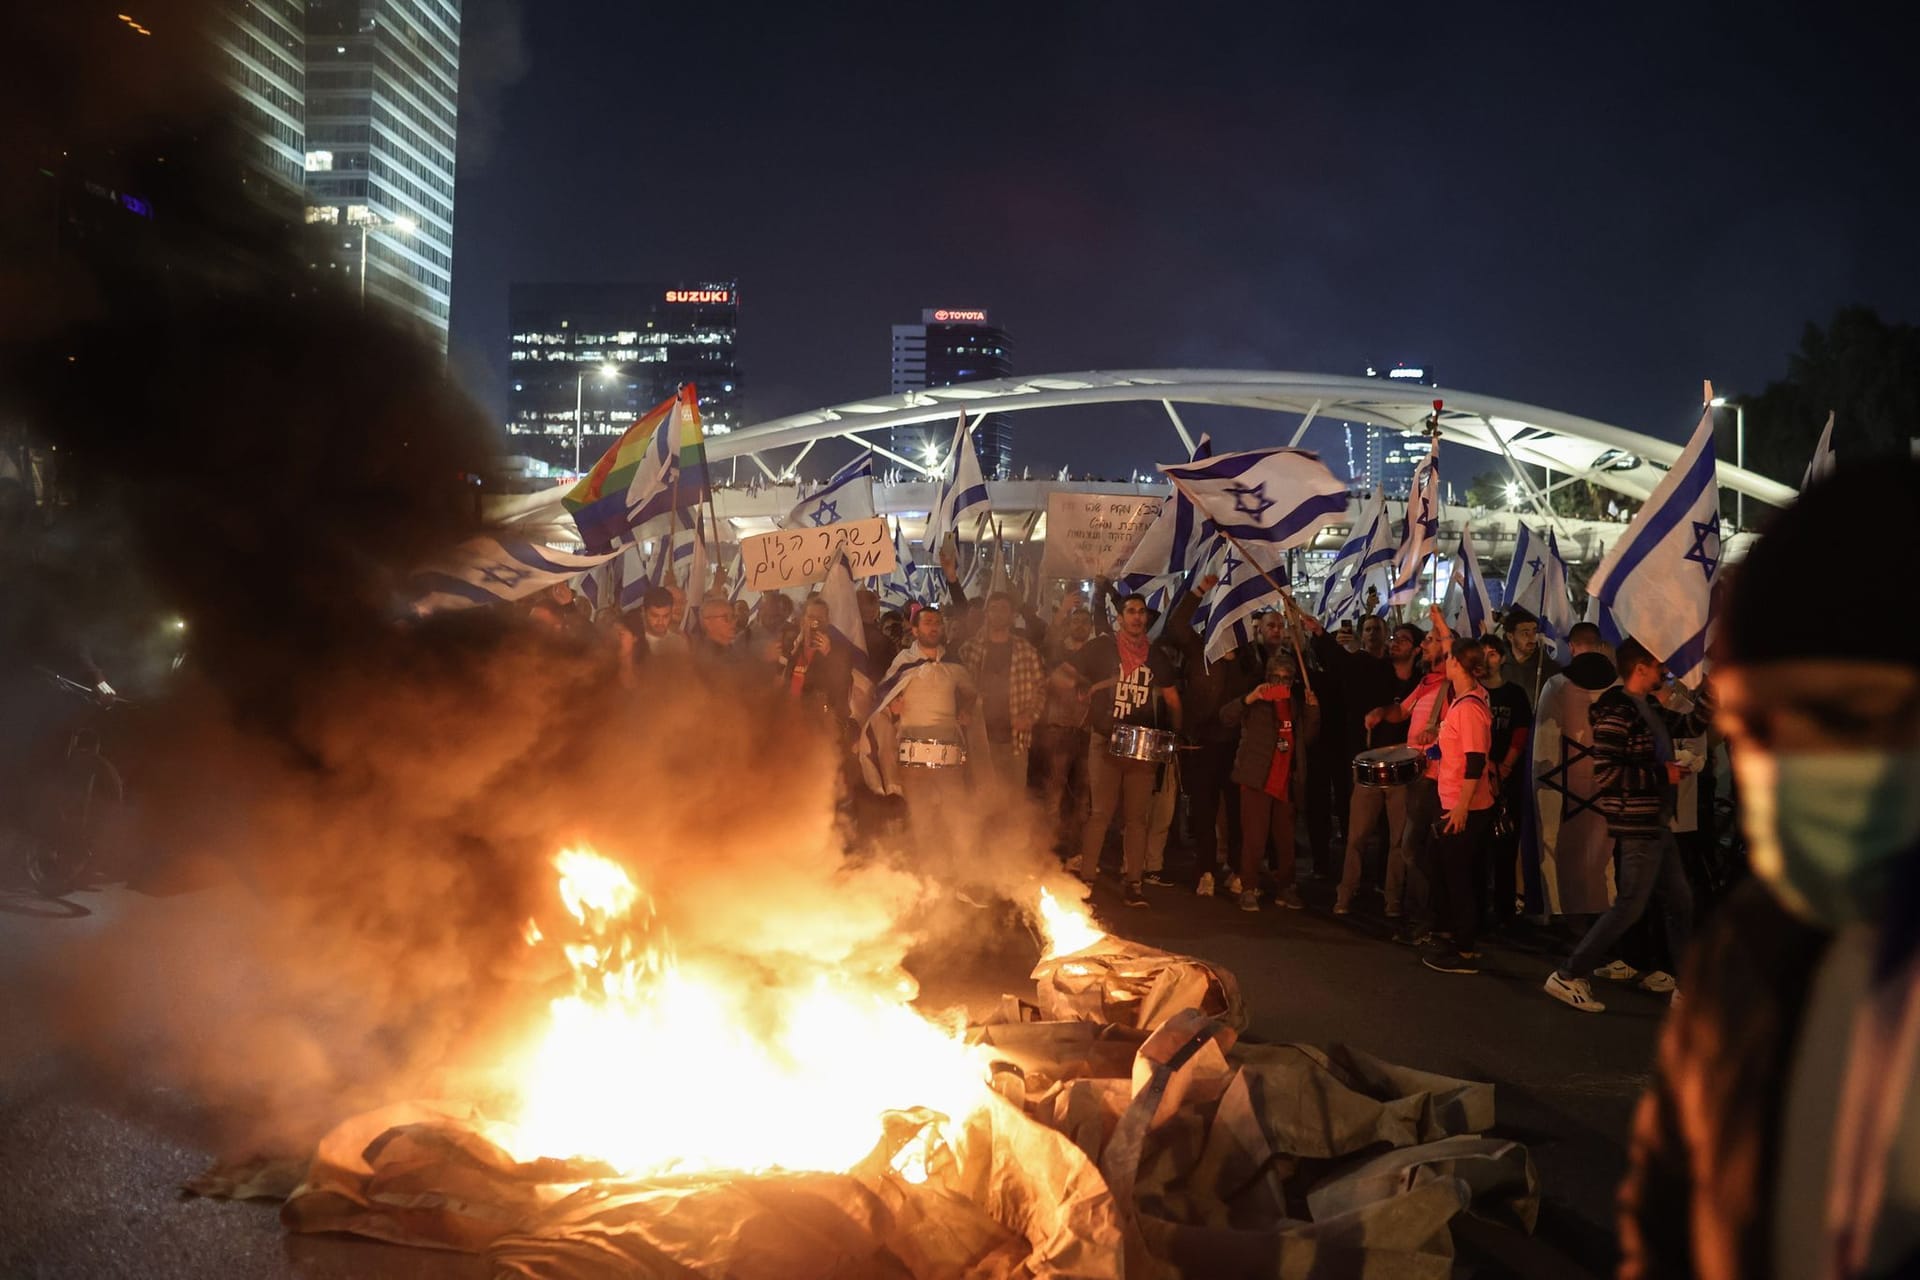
[[579, 390], [1739, 453], [372, 222]]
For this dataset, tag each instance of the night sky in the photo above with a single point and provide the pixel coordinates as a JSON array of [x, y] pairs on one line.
[[1586, 215]]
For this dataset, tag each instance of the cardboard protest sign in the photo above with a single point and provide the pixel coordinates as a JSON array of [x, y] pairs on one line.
[[797, 557], [1090, 535]]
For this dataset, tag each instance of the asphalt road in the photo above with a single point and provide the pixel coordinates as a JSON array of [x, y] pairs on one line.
[[93, 1169]]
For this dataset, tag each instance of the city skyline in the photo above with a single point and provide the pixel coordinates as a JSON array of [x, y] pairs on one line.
[[1614, 216]]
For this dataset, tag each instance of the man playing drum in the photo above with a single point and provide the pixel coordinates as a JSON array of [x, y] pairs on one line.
[[1381, 673], [932, 710], [1421, 712], [1129, 683]]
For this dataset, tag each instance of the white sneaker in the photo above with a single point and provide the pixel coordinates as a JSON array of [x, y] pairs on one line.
[[1618, 971], [1205, 887], [1574, 992], [1658, 981], [1233, 884]]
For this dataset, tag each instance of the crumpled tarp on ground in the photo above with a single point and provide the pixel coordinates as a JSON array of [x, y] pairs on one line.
[[1131, 1151], [1002, 1197], [1125, 984]]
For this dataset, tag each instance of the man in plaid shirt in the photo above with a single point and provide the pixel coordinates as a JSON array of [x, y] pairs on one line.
[[1012, 686]]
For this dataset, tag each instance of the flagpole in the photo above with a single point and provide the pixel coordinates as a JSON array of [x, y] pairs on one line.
[[1279, 587]]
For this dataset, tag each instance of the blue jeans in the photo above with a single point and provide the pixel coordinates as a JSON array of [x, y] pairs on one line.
[[1649, 865]]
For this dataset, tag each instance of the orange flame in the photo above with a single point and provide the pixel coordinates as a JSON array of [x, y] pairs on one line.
[[1068, 926], [654, 1066]]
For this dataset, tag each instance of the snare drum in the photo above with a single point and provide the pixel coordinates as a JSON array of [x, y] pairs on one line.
[[931, 753], [1137, 742], [1388, 767]]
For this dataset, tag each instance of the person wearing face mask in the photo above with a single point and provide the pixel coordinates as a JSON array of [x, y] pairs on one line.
[[1780, 1133]]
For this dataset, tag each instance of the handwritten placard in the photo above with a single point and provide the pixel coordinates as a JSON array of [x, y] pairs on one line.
[[796, 557], [1091, 534]]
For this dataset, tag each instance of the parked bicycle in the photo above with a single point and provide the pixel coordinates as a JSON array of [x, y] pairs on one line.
[[73, 799]]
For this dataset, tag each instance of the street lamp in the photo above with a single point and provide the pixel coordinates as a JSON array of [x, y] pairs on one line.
[[372, 222], [608, 371], [1739, 453]]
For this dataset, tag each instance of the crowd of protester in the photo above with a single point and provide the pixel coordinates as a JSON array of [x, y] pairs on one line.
[[1576, 800], [1572, 800], [999, 702]]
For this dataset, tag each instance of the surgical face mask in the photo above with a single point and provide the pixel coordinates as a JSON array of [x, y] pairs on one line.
[[1825, 829]]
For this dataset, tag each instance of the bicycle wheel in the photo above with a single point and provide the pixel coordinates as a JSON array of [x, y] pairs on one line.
[[75, 803]]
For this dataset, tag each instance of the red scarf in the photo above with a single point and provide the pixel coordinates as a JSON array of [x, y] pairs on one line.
[[1133, 652]]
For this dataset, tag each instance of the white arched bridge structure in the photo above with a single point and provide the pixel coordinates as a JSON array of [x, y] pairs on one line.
[[1627, 462], [1568, 447]]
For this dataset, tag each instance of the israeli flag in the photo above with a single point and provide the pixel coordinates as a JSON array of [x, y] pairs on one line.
[[633, 578], [896, 588], [962, 495], [1823, 460], [1556, 598], [1529, 559], [1226, 615], [737, 580], [493, 570], [1281, 497], [1475, 602], [1368, 545], [1422, 529], [847, 495], [845, 628], [1175, 543], [1657, 582]]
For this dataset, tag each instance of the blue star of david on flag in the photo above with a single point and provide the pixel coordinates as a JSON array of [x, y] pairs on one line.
[[1429, 523], [826, 513], [1250, 499], [1229, 567], [504, 575], [1705, 551]]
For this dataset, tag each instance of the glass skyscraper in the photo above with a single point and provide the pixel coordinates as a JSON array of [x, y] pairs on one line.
[[263, 44], [382, 104], [350, 109]]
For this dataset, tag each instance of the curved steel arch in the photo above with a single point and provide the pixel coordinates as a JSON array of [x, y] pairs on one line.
[[1627, 462]]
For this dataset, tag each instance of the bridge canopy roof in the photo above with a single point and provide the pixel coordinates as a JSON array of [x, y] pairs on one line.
[[1615, 458]]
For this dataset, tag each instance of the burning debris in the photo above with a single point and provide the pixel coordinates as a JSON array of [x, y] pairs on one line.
[[666, 1119], [639, 1025]]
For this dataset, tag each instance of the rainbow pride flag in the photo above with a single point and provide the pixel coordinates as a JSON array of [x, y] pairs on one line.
[[653, 473]]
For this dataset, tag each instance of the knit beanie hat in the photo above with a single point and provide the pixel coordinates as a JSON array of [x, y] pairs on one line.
[[1841, 548]]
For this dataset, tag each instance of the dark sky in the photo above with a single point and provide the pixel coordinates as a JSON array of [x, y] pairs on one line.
[[1590, 215]]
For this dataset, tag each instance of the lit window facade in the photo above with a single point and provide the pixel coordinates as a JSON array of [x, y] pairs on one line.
[[563, 336], [261, 51], [944, 349], [382, 101]]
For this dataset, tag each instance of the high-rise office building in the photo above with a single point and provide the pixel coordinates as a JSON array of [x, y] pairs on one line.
[[382, 104], [262, 47], [949, 346], [1389, 457], [587, 359]]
